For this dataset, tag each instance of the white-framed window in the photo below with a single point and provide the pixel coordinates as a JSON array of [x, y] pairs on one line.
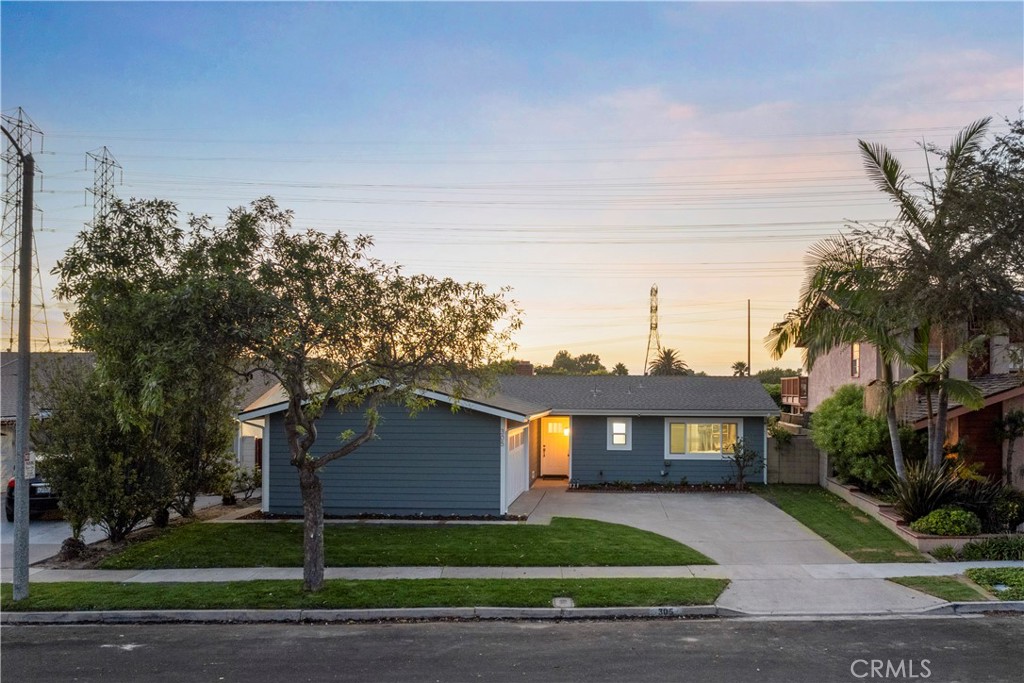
[[701, 438], [855, 360], [620, 433]]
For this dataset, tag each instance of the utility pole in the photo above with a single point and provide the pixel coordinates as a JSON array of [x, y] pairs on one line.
[[748, 337], [21, 446]]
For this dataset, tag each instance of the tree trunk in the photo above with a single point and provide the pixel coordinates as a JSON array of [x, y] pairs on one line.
[[931, 428], [894, 427], [313, 529], [941, 411]]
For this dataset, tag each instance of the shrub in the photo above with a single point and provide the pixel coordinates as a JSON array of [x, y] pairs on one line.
[[743, 459], [107, 473], [1002, 548], [946, 553], [925, 490], [783, 437], [775, 391], [1006, 512], [976, 495], [857, 443], [948, 522], [247, 481]]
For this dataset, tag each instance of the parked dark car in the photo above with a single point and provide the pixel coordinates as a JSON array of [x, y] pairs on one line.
[[40, 498]]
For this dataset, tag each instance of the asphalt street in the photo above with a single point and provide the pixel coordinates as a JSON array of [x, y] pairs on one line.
[[988, 648]]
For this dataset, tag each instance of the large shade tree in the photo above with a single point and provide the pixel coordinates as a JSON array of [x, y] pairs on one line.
[[343, 331], [140, 289]]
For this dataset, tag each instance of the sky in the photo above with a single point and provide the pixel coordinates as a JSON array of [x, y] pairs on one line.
[[577, 153]]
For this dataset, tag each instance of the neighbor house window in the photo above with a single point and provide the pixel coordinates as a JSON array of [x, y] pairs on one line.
[[620, 434], [700, 438], [855, 360]]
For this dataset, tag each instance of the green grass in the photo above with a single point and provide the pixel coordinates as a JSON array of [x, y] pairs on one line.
[[341, 594], [1011, 577], [850, 530], [566, 543], [947, 588]]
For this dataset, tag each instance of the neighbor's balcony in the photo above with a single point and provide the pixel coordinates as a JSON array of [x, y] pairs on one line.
[[794, 391]]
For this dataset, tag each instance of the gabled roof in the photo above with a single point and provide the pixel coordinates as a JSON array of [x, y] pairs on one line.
[[633, 394], [522, 398], [994, 388]]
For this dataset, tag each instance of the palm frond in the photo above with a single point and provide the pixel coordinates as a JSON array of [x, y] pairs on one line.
[[887, 173]]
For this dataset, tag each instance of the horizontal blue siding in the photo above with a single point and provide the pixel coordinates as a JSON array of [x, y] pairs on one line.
[[593, 463], [438, 463]]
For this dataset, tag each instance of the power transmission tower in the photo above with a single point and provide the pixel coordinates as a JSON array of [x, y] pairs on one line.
[[104, 170], [653, 338], [23, 135]]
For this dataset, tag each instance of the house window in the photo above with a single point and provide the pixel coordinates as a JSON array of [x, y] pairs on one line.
[[855, 360], [620, 434], [708, 439]]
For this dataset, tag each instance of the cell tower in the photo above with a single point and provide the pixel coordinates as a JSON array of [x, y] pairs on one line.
[[25, 134], [653, 339], [104, 170]]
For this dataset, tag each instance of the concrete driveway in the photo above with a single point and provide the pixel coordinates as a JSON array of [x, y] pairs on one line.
[[730, 528], [769, 557]]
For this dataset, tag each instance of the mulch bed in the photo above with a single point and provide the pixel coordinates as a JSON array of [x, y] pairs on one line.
[[657, 487]]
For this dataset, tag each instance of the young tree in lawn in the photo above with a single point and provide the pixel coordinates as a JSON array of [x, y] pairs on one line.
[[342, 330]]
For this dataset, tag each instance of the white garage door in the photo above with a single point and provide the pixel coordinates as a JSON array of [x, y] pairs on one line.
[[517, 472]]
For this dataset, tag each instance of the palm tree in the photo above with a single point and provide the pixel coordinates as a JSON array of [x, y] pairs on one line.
[[930, 379], [620, 370], [740, 369], [844, 300], [667, 362], [941, 267]]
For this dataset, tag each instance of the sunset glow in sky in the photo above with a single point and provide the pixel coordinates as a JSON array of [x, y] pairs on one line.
[[578, 153]]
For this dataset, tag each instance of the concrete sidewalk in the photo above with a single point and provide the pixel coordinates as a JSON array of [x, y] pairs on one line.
[[798, 589]]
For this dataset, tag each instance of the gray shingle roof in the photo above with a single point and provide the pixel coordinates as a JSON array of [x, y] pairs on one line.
[[610, 394], [989, 385]]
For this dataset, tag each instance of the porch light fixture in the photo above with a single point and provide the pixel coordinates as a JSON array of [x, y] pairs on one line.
[[565, 432]]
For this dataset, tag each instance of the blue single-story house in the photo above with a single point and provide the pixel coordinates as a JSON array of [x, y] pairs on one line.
[[480, 458]]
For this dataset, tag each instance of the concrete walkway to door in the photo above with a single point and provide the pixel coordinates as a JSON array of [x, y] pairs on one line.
[[776, 565]]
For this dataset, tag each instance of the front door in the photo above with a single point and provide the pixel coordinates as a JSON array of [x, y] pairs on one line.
[[554, 447]]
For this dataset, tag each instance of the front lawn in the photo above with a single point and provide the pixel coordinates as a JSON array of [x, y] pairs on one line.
[[565, 543], [947, 588], [1011, 578], [344, 594], [850, 530]]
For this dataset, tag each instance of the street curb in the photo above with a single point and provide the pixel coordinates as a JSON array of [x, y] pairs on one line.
[[344, 615], [296, 616], [979, 607]]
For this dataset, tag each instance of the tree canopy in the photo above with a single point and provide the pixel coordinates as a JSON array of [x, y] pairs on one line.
[[668, 362]]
